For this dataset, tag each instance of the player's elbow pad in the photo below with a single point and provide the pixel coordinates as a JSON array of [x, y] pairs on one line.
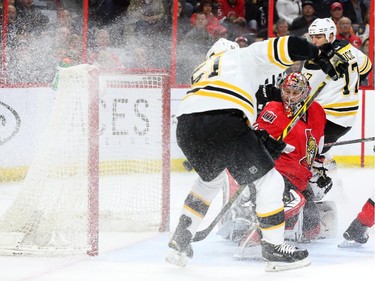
[[300, 49]]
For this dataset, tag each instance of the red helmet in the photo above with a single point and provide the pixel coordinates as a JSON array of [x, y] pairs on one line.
[[294, 90]]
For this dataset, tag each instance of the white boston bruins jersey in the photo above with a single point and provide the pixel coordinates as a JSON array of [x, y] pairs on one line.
[[340, 98], [230, 80]]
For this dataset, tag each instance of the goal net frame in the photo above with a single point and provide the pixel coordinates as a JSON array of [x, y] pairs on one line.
[[142, 82]]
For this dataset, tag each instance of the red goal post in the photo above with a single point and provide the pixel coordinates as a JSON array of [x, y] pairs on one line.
[[101, 165]]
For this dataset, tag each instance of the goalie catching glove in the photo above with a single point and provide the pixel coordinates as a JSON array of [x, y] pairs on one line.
[[320, 183]]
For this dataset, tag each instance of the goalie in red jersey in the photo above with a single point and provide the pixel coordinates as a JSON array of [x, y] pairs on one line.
[[297, 167], [304, 184]]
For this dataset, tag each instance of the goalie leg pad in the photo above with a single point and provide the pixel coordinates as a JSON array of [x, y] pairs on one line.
[[294, 203], [328, 219]]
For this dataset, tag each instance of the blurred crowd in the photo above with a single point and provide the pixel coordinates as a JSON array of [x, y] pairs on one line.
[[137, 33]]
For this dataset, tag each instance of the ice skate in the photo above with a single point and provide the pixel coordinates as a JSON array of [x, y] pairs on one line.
[[355, 236], [180, 245], [283, 257]]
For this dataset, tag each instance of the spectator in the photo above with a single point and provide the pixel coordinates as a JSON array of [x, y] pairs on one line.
[[102, 55], [30, 19], [12, 26], [65, 19], [281, 28], [199, 35], [136, 55], [193, 48], [288, 9], [337, 12], [12, 14], [144, 17], [365, 46], [364, 29], [213, 23], [232, 15], [183, 20], [355, 10], [67, 50], [345, 23], [145, 21], [232, 10], [187, 7], [365, 49], [301, 24]]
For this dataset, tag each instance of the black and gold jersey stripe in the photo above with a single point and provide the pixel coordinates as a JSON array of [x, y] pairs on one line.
[[365, 67], [342, 108], [277, 53], [224, 91]]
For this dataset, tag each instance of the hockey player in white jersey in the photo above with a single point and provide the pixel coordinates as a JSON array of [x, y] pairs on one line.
[[339, 98], [215, 133]]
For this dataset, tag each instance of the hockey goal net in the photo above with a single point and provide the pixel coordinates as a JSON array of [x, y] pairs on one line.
[[102, 164]]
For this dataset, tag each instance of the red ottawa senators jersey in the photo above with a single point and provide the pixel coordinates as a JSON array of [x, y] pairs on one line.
[[305, 137]]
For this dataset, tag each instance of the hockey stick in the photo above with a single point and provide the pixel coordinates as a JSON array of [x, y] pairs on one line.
[[200, 235], [349, 142]]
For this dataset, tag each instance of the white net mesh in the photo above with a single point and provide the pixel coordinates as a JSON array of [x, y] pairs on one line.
[[50, 215]]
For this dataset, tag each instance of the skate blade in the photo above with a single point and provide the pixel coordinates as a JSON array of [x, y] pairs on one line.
[[176, 258], [349, 244], [281, 266]]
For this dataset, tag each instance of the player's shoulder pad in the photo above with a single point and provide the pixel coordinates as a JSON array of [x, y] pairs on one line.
[[339, 44]]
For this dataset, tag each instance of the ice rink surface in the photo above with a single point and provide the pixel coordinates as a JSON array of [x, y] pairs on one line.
[[140, 256]]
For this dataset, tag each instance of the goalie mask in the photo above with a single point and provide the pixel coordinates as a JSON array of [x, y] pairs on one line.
[[294, 90]]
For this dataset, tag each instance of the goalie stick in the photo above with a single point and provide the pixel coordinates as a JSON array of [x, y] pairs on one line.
[[349, 142], [200, 235]]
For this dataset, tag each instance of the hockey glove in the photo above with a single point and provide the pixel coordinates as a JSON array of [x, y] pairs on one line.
[[323, 61], [267, 93], [340, 62], [274, 147]]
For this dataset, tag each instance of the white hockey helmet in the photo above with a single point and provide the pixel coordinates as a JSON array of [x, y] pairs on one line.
[[220, 46], [324, 26]]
